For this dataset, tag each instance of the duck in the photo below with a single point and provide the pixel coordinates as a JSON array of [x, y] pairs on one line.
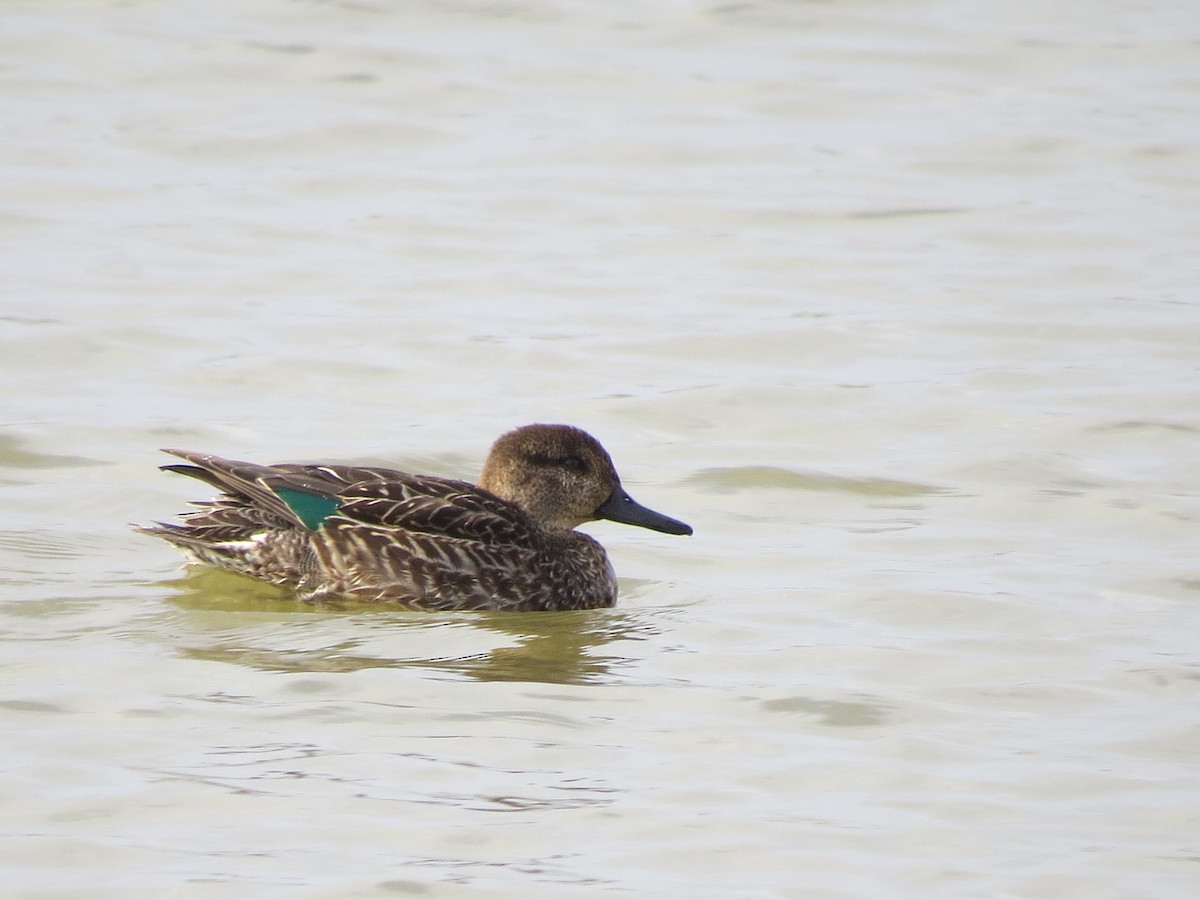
[[420, 541]]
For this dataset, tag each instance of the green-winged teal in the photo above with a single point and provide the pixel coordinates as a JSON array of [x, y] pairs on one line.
[[433, 543]]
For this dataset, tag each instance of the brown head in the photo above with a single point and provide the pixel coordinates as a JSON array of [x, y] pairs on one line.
[[562, 477]]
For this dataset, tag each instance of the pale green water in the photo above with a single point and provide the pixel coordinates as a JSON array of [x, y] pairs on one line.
[[894, 303]]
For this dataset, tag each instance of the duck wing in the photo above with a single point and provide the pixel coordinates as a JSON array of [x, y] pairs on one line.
[[277, 496], [293, 494], [437, 507]]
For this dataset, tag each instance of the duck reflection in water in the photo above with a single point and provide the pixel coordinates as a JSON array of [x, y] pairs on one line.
[[553, 647]]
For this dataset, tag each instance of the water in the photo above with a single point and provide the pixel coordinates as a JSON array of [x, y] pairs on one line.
[[894, 303]]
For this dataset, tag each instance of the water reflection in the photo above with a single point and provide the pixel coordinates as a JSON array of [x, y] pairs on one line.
[[13, 455], [730, 479], [867, 712], [239, 617]]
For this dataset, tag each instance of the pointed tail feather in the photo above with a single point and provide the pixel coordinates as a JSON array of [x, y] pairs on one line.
[[259, 485]]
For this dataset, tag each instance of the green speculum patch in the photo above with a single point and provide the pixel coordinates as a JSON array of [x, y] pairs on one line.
[[311, 509]]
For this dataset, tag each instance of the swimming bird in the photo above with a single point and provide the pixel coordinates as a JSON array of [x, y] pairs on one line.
[[508, 543]]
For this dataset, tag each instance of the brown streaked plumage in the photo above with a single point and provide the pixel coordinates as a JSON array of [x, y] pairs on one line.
[[422, 541]]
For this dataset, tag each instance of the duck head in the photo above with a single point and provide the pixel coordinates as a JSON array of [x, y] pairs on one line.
[[562, 477]]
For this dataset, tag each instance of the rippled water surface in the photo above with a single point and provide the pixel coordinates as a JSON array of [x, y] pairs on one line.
[[895, 303]]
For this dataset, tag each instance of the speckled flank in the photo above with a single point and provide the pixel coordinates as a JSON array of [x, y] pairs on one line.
[[422, 541]]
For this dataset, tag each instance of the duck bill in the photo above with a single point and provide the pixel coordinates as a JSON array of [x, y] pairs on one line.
[[620, 507]]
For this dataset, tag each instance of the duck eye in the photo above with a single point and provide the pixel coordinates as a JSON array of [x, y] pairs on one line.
[[570, 462], [574, 463]]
